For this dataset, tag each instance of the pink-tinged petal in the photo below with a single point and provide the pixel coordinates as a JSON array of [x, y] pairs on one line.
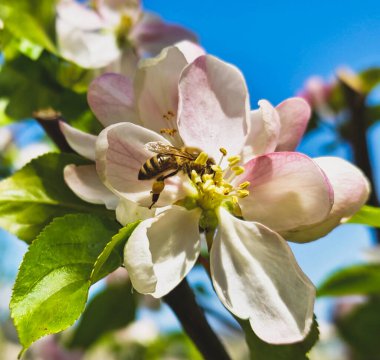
[[190, 50], [264, 131], [294, 116], [83, 143], [213, 106], [156, 86], [151, 34], [257, 277], [128, 211], [351, 191], [287, 190], [111, 98], [85, 183], [162, 250], [120, 154]]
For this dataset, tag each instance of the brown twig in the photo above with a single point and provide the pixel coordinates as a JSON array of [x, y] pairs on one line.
[[49, 120], [358, 137], [182, 302]]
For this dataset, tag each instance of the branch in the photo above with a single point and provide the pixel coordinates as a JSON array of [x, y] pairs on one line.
[[358, 137], [49, 120], [193, 320]]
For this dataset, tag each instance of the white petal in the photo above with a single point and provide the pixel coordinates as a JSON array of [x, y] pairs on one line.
[[88, 48], [213, 106], [264, 131], [80, 141], [128, 211], [162, 250], [85, 183], [156, 87], [111, 98], [257, 277]]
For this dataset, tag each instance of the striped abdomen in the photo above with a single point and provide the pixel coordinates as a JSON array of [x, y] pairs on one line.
[[156, 165]]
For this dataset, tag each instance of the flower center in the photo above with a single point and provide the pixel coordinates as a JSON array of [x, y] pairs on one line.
[[215, 189]]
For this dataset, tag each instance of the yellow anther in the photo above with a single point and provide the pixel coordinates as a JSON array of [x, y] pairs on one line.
[[218, 177], [195, 177], [233, 160], [234, 200], [242, 193], [244, 185], [238, 170], [206, 177], [201, 159], [216, 168], [208, 183], [226, 191], [223, 151]]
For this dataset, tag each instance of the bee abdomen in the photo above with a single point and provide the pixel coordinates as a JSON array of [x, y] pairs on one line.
[[154, 166]]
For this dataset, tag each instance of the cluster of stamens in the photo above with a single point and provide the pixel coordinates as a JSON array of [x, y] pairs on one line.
[[215, 188]]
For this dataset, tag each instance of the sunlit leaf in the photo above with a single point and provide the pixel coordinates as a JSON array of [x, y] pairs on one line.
[[367, 215], [361, 279], [30, 31], [111, 309], [115, 247], [37, 193], [260, 350], [54, 278]]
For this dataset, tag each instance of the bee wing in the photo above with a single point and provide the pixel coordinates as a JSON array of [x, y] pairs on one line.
[[158, 147], [165, 149]]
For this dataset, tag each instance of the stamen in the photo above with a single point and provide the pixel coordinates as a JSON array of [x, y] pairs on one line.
[[244, 185], [242, 193], [201, 159], [224, 153], [238, 170], [233, 160], [170, 132]]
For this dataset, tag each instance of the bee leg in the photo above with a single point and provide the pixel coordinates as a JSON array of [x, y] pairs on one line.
[[158, 187]]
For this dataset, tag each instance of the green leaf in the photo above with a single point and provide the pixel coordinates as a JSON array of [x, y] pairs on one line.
[[52, 285], [372, 114], [113, 250], [260, 350], [111, 309], [367, 215], [361, 328], [370, 78], [30, 31], [50, 82], [354, 280], [37, 193]]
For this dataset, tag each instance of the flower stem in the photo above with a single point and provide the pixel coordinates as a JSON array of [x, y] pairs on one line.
[[358, 138], [182, 301]]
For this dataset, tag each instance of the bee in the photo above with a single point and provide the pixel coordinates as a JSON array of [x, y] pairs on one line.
[[168, 162]]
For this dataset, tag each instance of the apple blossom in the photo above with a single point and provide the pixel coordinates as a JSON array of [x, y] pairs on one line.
[[112, 34], [259, 188]]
